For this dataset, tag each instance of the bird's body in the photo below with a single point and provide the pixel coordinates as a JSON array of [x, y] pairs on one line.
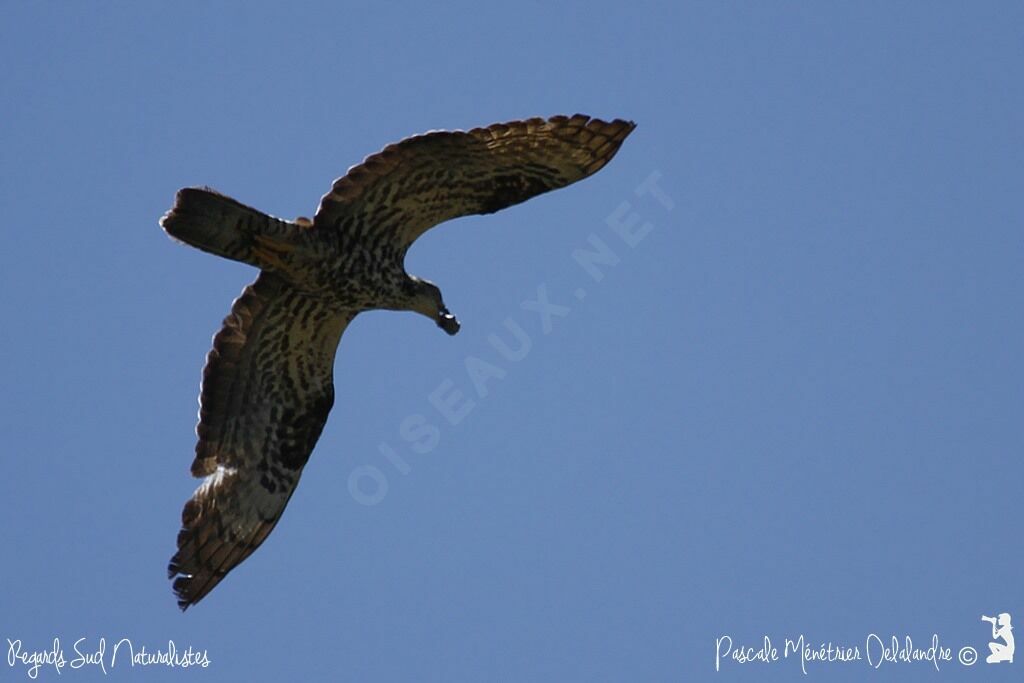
[[268, 382]]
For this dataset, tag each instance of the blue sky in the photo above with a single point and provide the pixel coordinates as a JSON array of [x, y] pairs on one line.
[[792, 408]]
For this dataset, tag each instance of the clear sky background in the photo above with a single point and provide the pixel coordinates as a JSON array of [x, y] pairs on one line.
[[794, 407]]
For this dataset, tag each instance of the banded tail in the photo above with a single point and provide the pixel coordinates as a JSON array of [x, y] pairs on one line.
[[215, 223]]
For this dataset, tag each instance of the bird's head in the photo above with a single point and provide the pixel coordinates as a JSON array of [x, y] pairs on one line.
[[429, 302]]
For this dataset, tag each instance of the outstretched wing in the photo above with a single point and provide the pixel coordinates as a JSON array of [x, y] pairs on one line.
[[396, 195], [266, 392]]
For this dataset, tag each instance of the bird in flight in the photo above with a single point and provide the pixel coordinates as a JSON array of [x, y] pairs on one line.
[[268, 382]]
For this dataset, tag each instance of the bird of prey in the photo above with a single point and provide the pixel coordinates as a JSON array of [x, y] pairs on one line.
[[268, 382]]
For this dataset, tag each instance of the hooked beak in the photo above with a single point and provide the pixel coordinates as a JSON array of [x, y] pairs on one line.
[[447, 322]]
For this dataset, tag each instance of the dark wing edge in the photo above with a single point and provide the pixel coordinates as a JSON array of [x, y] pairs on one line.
[[412, 185], [266, 392]]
